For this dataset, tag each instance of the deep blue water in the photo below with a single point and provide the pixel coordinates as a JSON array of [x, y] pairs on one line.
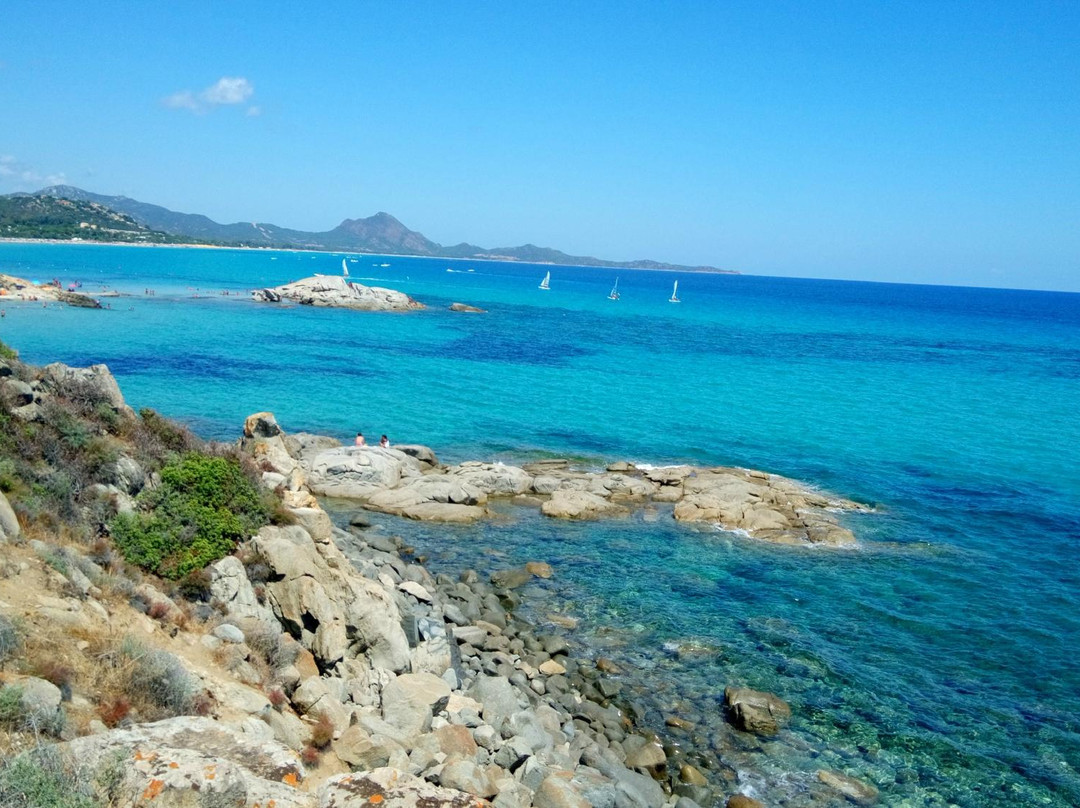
[[936, 661]]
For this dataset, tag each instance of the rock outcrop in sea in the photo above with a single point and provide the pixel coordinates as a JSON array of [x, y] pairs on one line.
[[393, 480], [13, 288], [337, 292]]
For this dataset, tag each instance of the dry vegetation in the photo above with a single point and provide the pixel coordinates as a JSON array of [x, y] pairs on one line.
[[119, 516]]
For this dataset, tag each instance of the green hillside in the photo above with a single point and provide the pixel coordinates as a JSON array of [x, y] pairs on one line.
[[48, 217]]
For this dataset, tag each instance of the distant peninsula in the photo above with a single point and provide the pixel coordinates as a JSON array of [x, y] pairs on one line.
[[135, 221]]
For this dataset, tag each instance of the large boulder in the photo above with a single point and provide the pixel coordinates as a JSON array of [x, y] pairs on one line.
[[306, 445], [16, 393], [434, 498], [265, 441], [494, 479], [333, 611], [338, 292], [408, 701], [357, 472], [231, 589], [755, 711], [622, 486], [94, 384], [39, 703], [567, 504], [423, 454], [9, 524], [192, 761]]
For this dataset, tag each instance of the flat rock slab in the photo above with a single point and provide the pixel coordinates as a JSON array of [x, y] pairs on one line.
[[579, 505], [183, 760], [391, 788]]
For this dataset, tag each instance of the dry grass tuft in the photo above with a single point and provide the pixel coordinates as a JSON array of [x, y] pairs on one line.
[[322, 732]]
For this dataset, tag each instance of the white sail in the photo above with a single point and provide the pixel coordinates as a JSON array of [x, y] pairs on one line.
[[546, 282], [344, 268], [614, 291], [674, 294]]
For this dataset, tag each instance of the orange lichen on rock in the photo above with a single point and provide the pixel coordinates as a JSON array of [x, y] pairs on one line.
[[375, 799], [152, 790], [291, 779]]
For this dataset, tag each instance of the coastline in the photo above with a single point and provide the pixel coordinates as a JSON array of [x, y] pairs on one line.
[[341, 253]]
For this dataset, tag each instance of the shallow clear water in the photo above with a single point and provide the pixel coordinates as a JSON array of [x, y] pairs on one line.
[[936, 661]]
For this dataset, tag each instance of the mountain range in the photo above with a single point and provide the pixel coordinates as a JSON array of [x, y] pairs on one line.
[[381, 234]]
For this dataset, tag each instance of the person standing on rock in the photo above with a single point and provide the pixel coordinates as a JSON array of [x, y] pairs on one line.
[[360, 439]]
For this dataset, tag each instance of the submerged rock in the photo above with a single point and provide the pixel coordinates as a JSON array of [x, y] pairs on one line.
[[855, 790], [755, 711]]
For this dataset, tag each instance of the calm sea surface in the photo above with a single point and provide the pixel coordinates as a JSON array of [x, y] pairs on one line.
[[938, 661]]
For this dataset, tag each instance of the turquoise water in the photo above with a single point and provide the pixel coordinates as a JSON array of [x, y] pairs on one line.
[[936, 661]]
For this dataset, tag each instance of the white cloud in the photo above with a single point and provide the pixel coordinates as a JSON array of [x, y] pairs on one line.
[[182, 100], [226, 91], [17, 176], [254, 111]]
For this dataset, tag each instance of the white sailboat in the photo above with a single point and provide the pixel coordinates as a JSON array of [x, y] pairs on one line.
[[674, 294], [614, 295], [546, 282], [344, 268]]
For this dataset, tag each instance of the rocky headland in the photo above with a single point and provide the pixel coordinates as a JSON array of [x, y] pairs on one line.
[[13, 288], [337, 292], [316, 666]]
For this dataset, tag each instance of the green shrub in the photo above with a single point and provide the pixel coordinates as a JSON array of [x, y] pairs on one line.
[[15, 716], [203, 507], [9, 639], [8, 353], [9, 478], [11, 711], [43, 778]]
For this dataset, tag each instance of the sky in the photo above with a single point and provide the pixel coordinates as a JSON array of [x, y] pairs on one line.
[[913, 142]]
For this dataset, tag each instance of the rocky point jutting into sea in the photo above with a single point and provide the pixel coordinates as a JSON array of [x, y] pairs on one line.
[[327, 666]]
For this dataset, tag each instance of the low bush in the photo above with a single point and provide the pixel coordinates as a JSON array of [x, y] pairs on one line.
[[160, 679], [7, 352], [44, 778], [156, 436], [267, 642], [202, 509], [11, 711], [9, 639]]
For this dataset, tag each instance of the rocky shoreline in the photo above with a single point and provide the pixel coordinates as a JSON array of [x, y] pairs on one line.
[[337, 647]]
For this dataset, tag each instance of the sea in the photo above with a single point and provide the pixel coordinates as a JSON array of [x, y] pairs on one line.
[[937, 661]]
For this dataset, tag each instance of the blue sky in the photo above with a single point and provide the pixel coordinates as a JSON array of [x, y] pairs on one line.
[[922, 142]]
